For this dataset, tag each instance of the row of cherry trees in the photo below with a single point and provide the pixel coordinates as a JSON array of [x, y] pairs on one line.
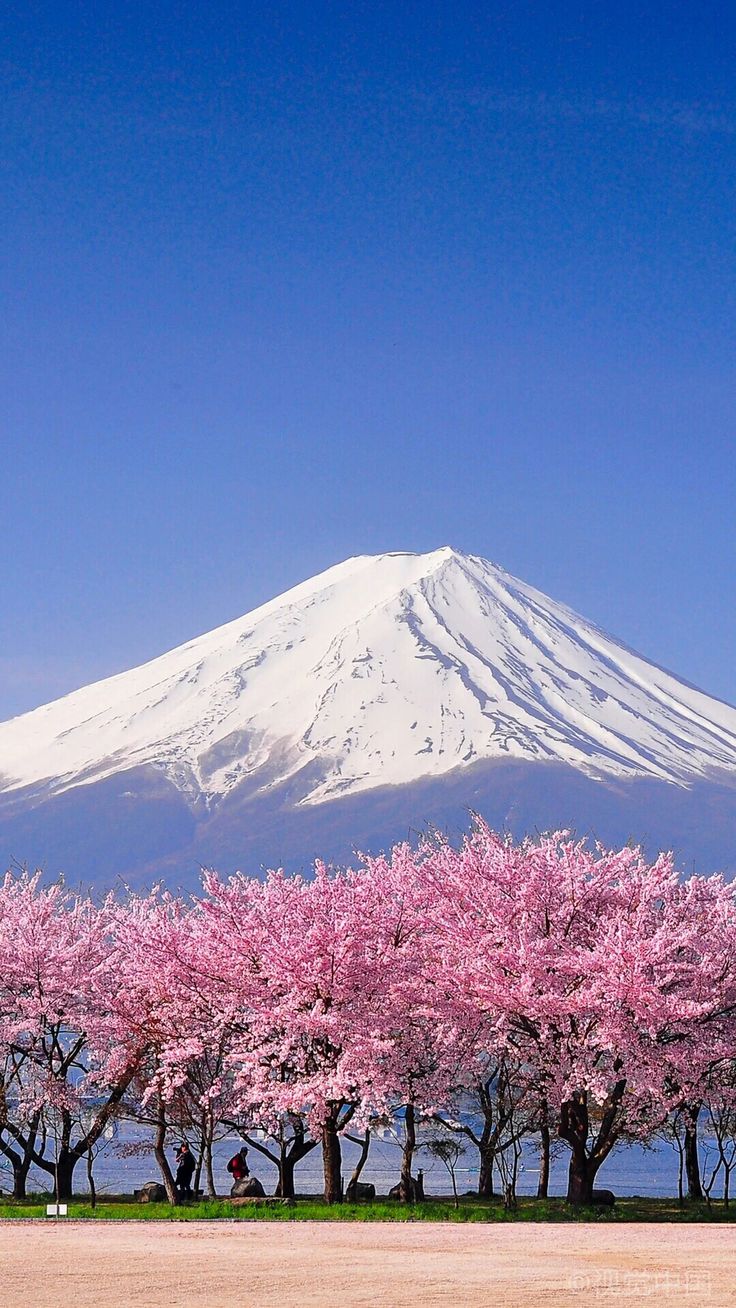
[[496, 989]]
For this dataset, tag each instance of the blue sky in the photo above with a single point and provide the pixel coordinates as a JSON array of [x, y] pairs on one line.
[[283, 283]]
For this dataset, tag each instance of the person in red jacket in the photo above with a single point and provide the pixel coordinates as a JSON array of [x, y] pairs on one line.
[[238, 1165]]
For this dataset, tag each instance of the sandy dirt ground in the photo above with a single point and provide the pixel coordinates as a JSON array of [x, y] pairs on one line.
[[365, 1266]]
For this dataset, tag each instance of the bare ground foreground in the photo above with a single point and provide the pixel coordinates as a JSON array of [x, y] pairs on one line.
[[372, 1266]]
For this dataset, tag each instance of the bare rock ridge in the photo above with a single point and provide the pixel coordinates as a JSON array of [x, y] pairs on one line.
[[383, 678]]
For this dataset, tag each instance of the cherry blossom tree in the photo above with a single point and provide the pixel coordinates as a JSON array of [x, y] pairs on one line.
[[287, 950], [67, 1058], [605, 974], [165, 999], [430, 1041], [575, 990], [336, 1023]]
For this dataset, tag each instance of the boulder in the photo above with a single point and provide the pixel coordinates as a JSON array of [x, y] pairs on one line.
[[416, 1194], [153, 1192], [360, 1191], [605, 1198], [249, 1188]]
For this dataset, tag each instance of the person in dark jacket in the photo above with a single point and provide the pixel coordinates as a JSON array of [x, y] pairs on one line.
[[185, 1166], [238, 1165]]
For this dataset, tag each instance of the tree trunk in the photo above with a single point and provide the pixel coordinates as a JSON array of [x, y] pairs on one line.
[[332, 1163], [159, 1150], [61, 1168], [91, 1179], [196, 1181], [21, 1158], [574, 1128], [64, 1172], [21, 1165], [365, 1145], [20, 1177], [543, 1183], [485, 1174], [488, 1137], [209, 1172], [285, 1188], [291, 1154], [406, 1182], [680, 1174], [205, 1136], [692, 1162], [197, 1178], [581, 1178]]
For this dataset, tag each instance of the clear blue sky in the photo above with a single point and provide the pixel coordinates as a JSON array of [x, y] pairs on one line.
[[286, 282]]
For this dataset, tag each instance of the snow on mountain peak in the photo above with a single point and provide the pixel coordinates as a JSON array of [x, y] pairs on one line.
[[380, 671]]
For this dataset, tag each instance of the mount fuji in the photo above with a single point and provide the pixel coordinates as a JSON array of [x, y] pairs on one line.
[[384, 693]]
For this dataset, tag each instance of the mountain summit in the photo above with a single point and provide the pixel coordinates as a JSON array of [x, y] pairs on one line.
[[381, 671]]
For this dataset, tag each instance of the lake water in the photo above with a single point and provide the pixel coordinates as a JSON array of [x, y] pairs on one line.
[[631, 1170]]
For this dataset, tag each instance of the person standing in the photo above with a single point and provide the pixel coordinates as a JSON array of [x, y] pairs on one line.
[[185, 1166]]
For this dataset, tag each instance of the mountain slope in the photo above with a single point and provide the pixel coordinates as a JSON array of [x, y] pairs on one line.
[[380, 683], [381, 671]]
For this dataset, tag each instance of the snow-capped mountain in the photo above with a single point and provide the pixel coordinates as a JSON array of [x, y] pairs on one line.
[[383, 672]]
